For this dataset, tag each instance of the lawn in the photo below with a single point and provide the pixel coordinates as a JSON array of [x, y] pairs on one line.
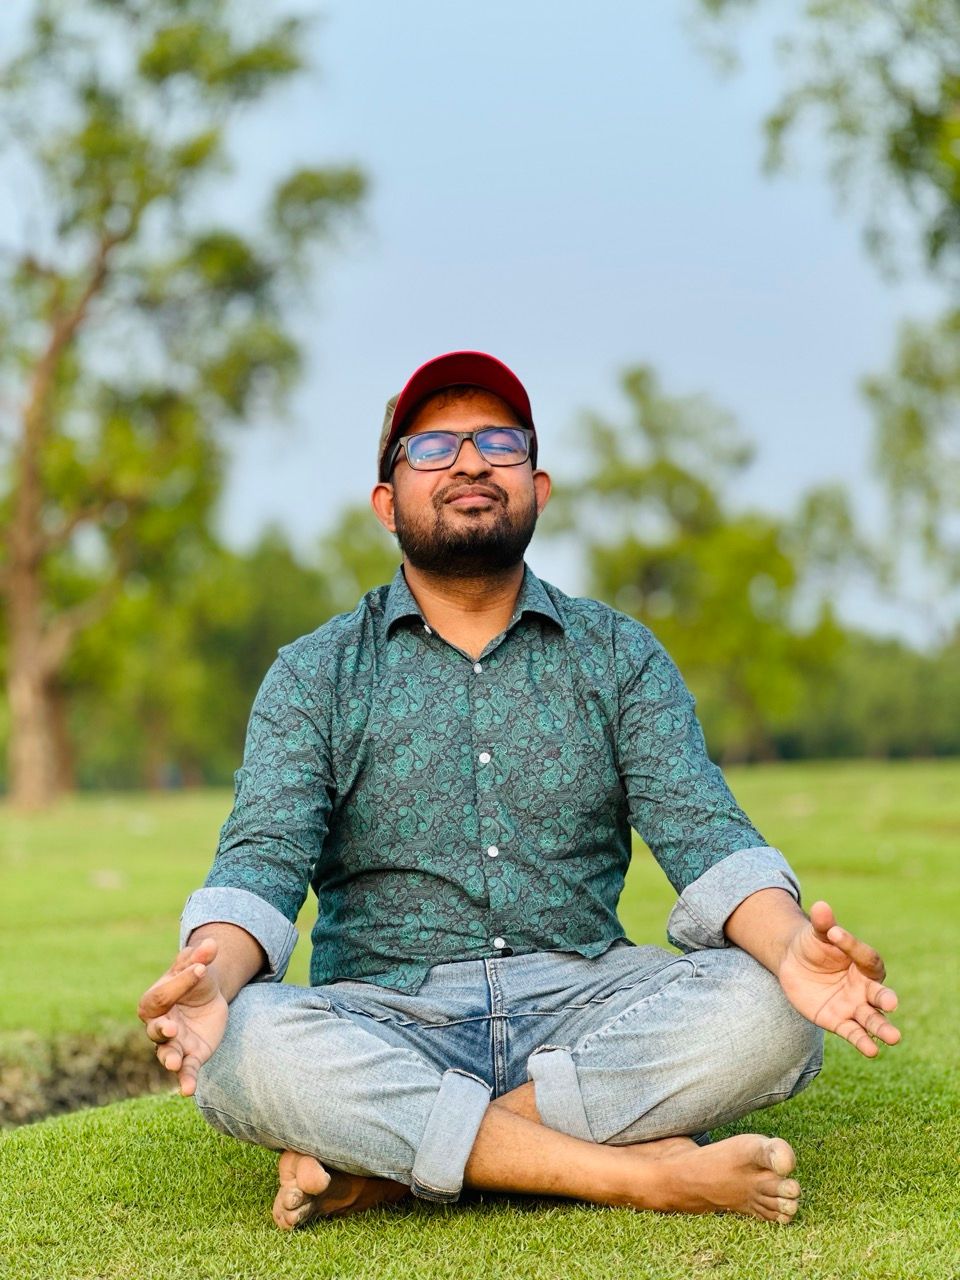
[[88, 909]]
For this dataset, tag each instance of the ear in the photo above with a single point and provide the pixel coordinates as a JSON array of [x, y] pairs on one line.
[[382, 502], [542, 485]]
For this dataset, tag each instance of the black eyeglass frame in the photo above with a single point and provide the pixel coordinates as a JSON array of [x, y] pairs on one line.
[[401, 441]]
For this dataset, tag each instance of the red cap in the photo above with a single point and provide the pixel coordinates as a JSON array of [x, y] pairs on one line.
[[456, 368]]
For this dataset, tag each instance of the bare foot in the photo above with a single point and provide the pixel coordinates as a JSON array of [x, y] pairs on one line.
[[746, 1174], [308, 1190]]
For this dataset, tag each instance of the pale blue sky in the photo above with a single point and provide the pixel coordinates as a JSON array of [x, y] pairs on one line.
[[574, 189]]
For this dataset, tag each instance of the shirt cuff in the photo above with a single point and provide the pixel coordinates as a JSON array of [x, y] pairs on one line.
[[696, 921], [219, 905]]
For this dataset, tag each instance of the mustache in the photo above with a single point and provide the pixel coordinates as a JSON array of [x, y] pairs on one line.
[[451, 490]]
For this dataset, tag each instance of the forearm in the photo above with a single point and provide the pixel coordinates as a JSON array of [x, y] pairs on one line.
[[239, 956], [763, 925]]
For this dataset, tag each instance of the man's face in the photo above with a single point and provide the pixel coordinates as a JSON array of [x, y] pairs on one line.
[[473, 518]]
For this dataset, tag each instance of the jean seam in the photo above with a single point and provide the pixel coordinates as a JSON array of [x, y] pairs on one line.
[[630, 1010], [411, 1022]]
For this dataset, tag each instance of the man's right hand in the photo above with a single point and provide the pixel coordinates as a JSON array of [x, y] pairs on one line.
[[185, 1013]]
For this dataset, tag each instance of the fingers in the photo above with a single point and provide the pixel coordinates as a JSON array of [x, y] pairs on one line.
[[822, 917], [161, 1029], [858, 1037], [863, 956], [173, 1057], [866, 959], [866, 1027], [164, 994], [876, 1025], [189, 1071], [884, 998], [160, 998]]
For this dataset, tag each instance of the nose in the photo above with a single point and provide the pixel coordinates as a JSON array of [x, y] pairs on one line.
[[470, 461]]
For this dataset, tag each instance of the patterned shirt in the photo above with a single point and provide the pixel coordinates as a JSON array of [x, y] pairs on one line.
[[445, 808]]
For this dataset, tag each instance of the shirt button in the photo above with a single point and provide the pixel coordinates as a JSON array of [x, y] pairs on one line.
[[477, 667], [493, 851], [427, 629], [484, 757], [499, 942]]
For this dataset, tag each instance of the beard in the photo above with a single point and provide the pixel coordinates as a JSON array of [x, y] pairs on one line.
[[479, 543]]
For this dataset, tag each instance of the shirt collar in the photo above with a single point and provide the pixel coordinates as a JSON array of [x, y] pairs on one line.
[[533, 598]]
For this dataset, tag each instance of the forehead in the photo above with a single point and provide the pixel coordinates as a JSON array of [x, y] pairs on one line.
[[461, 413]]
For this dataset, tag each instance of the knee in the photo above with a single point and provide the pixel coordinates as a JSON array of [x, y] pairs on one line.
[[778, 1051], [254, 1063]]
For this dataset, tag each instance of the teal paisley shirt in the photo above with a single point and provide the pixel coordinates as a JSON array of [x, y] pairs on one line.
[[446, 809]]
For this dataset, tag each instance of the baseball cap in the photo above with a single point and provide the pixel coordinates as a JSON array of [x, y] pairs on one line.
[[455, 368]]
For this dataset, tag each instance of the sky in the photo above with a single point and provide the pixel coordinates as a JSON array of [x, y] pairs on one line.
[[575, 189]]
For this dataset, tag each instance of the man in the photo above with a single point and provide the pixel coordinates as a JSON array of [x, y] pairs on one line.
[[455, 767]]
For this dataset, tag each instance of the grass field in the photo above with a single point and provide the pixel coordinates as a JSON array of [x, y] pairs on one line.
[[89, 898]]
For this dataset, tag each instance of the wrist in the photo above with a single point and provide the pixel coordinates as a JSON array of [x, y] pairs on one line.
[[765, 925]]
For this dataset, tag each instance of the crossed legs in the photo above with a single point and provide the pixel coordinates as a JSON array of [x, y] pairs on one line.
[[362, 1115], [514, 1152]]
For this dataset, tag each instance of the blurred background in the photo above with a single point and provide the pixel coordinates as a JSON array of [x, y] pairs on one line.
[[717, 240]]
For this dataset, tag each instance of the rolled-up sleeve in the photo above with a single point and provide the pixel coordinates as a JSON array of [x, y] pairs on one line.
[[275, 933], [698, 918], [271, 842], [679, 801]]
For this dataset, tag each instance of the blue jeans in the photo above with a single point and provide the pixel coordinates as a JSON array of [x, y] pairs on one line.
[[638, 1043]]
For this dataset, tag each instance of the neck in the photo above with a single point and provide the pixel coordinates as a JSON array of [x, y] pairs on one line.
[[468, 612]]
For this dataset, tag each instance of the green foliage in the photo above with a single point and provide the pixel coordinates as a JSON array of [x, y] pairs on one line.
[[879, 698], [881, 85], [917, 447], [196, 309], [718, 589], [161, 689], [138, 331]]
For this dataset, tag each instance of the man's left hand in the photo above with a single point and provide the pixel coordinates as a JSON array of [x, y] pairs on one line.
[[836, 981]]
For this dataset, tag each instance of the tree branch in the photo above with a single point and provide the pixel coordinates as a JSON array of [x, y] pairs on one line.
[[60, 536], [67, 323], [25, 533], [67, 625]]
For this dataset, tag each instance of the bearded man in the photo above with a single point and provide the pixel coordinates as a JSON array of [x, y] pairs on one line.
[[455, 768]]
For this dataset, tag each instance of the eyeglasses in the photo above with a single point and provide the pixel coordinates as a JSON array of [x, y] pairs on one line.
[[437, 450]]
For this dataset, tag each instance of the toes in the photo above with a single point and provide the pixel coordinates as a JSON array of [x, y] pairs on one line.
[[778, 1156], [284, 1220], [777, 1208], [287, 1169], [311, 1177], [788, 1188]]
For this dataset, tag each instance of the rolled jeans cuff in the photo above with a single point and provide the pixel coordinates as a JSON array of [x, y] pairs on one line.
[[557, 1090], [448, 1139]]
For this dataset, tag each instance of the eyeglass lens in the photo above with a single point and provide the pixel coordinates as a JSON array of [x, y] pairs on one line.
[[500, 446]]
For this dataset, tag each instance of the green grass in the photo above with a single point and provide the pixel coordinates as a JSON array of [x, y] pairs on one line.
[[88, 909]]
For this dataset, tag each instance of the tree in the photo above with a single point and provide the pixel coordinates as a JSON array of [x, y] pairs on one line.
[[881, 81], [719, 589], [159, 691], [132, 329]]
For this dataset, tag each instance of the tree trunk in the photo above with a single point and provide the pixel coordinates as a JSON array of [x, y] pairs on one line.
[[33, 749], [64, 756], [37, 651]]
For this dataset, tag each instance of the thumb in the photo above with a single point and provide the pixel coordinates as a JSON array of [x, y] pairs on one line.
[[822, 918]]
